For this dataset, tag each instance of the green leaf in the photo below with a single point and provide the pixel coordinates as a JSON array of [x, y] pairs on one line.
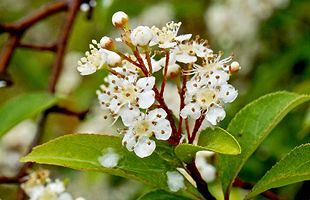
[[217, 140], [81, 152], [294, 167], [162, 195], [23, 107], [251, 126]]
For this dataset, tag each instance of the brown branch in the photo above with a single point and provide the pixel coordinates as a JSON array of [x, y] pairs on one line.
[[7, 52], [16, 30], [26, 22], [202, 186], [51, 47], [65, 111], [62, 43]]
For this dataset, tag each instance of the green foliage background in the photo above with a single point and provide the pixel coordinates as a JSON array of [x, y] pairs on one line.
[[282, 63]]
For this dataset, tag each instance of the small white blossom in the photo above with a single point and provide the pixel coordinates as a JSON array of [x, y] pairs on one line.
[[184, 53], [212, 63], [205, 95], [119, 19], [167, 36], [40, 187], [93, 60], [137, 136], [206, 170], [201, 50], [124, 96], [109, 159], [141, 36], [175, 181]]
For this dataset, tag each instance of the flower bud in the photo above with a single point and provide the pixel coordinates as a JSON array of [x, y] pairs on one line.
[[106, 43], [120, 19], [141, 36], [173, 70], [234, 67]]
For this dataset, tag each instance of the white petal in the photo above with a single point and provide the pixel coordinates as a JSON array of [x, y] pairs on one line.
[[146, 99], [185, 58], [156, 114], [215, 114], [167, 45], [144, 147], [129, 115], [181, 38], [86, 69], [104, 97], [129, 140], [162, 130], [218, 77], [192, 110], [114, 105], [146, 83], [228, 93]]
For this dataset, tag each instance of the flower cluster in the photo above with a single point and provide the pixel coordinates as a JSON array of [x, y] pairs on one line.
[[134, 90], [39, 187]]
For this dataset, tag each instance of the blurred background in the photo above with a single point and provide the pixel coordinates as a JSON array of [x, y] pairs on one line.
[[270, 39]]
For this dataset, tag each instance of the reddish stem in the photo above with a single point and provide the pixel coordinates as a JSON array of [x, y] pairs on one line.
[[197, 125], [165, 74]]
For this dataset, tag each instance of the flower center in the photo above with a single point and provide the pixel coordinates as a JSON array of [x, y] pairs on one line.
[[129, 94], [143, 128], [206, 97]]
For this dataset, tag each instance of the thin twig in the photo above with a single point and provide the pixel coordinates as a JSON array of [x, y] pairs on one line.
[[62, 43], [51, 47], [248, 186]]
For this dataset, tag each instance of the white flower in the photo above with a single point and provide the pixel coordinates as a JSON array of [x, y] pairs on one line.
[[206, 170], [167, 36], [124, 96], [184, 53], [109, 159], [211, 63], [137, 136], [119, 19], [93, 61], [40, 187], [205, 95], [201, 50], [175, 181], [141, 36]]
